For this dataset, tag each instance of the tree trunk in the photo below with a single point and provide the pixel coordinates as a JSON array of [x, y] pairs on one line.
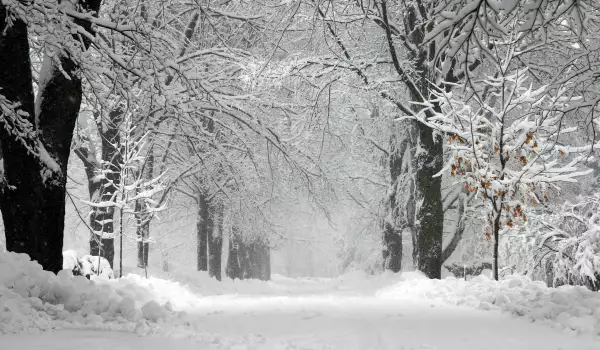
[[202, 233], [430, 216], [21, 205], [244, 256], [458, 231], [215, 247], [143, 217], [104, 247], [401, 200], [101, 222], [268, 265], [429, 213], [103, 188], [142, 253], [233, 269], [392, 248], [36, 146], [497, 215], [248, 259]]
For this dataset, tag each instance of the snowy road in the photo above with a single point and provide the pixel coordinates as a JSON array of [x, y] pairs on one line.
[[323, 321], [353, 311]]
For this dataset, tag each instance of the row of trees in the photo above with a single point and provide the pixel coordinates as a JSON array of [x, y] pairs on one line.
[[426, 116], [490, 106], [155, 88]]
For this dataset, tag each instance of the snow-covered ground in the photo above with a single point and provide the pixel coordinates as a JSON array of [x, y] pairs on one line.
[[41, 311]]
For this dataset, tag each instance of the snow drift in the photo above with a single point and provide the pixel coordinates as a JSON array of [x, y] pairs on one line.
[[567, 307], [32, 300]]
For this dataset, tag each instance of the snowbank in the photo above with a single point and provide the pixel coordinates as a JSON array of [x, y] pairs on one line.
[[567, 307], [33, 300]]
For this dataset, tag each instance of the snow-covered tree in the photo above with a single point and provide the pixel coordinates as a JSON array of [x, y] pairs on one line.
[[133, 192], [508, 124], [560, 245]]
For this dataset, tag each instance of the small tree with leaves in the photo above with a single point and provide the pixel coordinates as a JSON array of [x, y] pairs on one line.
[[505, 147]]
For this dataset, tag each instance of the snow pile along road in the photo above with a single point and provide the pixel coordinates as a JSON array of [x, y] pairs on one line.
[[343, 311], [34, 300], [566, 307]]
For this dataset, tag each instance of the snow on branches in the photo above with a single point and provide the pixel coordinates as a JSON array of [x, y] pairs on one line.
[[561, 244], [504, 147], [132, 187]]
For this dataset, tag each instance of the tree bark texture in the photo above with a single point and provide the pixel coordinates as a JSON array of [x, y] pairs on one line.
[[429, 219], [36, 144], [22, 209], [430, 216], [415, 163]]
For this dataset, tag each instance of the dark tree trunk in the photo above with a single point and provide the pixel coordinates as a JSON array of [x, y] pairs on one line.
[[497, 213], [142, 253], [233, 269], [22, 206], [202, 233], [35, 163], [430, 216], [201, 248], [412, 172], [215, 247]]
